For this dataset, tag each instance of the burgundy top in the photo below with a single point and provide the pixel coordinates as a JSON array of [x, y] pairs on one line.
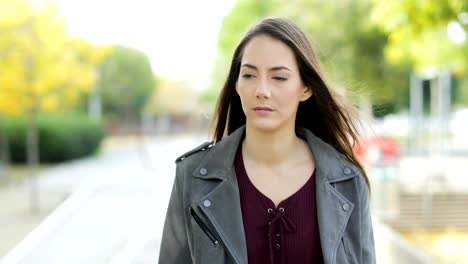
[[287, 234]]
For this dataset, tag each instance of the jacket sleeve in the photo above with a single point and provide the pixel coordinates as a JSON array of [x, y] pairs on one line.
[[367, 234], [174, 243]]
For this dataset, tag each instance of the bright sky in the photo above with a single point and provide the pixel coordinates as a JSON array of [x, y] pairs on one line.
[[179, 36]]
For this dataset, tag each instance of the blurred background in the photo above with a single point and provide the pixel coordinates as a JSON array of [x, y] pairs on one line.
[[98, 98]]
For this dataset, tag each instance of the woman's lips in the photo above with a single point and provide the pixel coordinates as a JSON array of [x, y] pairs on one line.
[[263, 110]]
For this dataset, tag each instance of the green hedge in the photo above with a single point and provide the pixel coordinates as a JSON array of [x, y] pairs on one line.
[[62, 137]]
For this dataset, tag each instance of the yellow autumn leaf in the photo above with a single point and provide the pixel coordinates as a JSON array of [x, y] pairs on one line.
[[41, 66]]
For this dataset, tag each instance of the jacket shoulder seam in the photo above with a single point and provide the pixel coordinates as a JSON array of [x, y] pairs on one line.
[[202, 147]]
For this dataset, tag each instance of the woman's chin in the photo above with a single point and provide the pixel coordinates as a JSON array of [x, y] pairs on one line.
[[264, 125]]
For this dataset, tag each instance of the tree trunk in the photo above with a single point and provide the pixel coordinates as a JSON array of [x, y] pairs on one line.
[[33, 161], [4, 152], [95, 99], [32, 141], [142, 147]]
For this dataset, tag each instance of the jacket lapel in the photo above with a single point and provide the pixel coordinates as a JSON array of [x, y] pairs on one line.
[[333, 209], [224, 210]]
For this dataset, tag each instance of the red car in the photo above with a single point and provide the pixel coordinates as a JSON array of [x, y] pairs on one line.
[[377, 151]]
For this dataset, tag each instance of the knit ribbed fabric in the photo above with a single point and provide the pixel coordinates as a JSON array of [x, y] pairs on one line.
[[287, 234]]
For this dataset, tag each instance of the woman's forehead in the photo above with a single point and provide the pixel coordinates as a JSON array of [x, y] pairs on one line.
[[266, 52]]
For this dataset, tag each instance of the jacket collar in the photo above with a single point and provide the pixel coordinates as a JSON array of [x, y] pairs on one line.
[[328, 160], [221, 157]]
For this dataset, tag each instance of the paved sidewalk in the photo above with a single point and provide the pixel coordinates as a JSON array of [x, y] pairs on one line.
[[147, 161], [16, 219]]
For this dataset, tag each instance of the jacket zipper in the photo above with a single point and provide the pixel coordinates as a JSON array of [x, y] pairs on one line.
[[203, 226], [344, 249]]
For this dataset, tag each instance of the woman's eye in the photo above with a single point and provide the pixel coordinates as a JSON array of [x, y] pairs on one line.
[[247, 76], [279, 78]]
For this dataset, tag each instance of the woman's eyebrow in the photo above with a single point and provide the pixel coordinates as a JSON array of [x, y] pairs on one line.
[[275, 68], [278, 68], [250, 66]]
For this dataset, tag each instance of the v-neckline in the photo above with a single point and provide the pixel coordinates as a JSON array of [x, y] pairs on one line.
[[285, 202]]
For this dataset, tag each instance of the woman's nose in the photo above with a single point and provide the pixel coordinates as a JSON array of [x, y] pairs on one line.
[[263, 90]]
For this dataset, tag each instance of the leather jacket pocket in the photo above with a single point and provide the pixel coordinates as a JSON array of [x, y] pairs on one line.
[[210, 234]]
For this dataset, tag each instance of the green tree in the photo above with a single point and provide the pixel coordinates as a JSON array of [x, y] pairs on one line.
[[351, 47], [126, 82], [352, 50], [419, 35], [41, 67], [418, 32], [234, 25]]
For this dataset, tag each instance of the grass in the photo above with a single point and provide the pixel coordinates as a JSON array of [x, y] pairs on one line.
[[445, 246]]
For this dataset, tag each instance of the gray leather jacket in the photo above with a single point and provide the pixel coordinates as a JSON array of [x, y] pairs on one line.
[[204, 219]]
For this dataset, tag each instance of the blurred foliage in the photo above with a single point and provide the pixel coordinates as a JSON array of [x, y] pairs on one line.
[[418, 33], [126, 81], [369, 47], [352, 51], [172, 97], [242, 15], [62, 136], [460, 91], [41, 67], [351, 48]]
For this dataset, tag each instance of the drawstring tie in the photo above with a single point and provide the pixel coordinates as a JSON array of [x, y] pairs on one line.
[[283, 223]]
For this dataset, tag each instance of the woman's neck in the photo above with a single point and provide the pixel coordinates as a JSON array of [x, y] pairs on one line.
[[270, 148]]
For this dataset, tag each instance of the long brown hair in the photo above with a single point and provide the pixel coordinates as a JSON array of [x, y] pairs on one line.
[[324, 113]]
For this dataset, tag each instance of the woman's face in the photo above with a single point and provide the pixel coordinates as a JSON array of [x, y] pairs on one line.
[[269, 84]]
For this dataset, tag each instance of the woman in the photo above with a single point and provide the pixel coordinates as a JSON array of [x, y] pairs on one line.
[[280, 183]]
